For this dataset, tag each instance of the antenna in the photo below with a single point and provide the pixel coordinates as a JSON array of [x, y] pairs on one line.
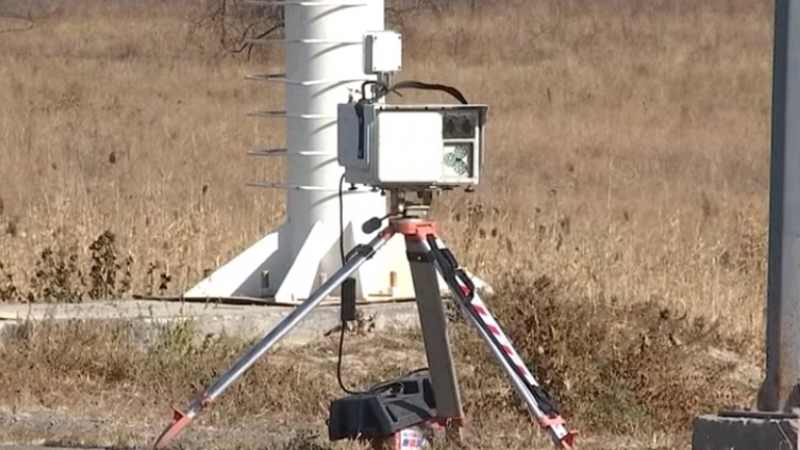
[[325, 65]]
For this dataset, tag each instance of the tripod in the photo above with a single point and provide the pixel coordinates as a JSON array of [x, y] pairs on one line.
[[427, 256]]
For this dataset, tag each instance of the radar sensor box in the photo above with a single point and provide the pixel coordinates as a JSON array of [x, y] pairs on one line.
[[411, 146]]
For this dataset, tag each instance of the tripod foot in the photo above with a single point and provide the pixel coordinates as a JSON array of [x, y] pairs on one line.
[[180, 420], [568, 441]]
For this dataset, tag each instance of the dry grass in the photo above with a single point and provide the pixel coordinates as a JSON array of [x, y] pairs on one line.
[[628, 165], [647, 375]]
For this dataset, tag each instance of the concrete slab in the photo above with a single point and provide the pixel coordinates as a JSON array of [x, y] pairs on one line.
[[244, 321], [745, 431]]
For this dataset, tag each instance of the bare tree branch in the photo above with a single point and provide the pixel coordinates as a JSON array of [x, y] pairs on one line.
[[235, 24], [249, 45]]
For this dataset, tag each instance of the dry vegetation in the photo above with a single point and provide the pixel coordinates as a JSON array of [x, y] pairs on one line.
[[626, 194]]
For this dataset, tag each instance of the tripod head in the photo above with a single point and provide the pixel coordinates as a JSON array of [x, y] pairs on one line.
[[405, 204]]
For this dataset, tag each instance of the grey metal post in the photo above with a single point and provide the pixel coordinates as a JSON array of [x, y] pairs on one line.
[[779, 390]]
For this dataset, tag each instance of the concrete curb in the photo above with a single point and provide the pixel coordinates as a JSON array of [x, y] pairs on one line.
[[242, 321]]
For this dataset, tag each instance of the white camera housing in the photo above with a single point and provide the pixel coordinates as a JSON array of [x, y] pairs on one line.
[[411, 146]]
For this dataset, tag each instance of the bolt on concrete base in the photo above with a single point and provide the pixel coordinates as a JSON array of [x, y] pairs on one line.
[[746, 430]]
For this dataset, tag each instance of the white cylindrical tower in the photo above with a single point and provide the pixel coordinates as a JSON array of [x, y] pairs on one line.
[[324, 66]]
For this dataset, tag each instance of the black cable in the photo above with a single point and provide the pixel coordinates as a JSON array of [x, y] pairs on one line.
[[344, 260], [410, 84], [455, 93], [369, 82], [339, 365], [340, 353]]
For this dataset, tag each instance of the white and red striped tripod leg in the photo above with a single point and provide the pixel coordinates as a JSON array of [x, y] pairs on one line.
[[539, 403]]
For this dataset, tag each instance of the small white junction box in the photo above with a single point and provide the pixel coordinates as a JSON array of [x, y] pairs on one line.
[[383, 52], [411, 146]]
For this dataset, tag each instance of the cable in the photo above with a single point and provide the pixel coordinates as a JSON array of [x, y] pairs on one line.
[[455, 93], [339, 365], [364, 89], [340, 352], [410, 84], [344, 260]]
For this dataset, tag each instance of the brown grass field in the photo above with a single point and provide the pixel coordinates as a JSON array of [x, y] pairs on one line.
[[622, 219]]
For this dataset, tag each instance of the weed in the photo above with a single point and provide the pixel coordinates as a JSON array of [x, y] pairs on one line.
[[57, 277], [8, 290], [105, 268]]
